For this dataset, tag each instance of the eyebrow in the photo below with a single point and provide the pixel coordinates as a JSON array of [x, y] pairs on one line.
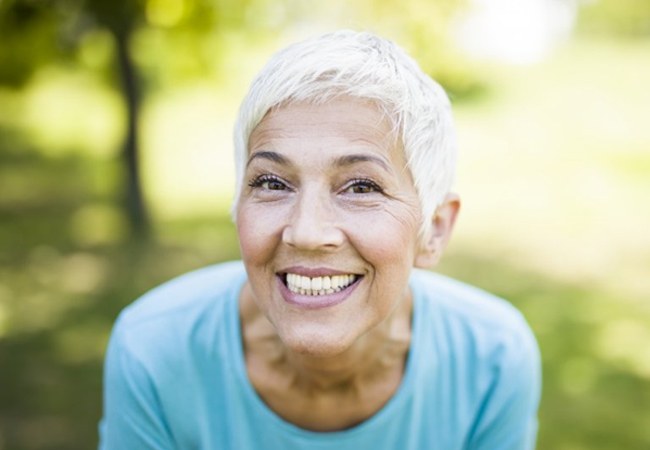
[[348, 160], [271, 156], [342, 161]]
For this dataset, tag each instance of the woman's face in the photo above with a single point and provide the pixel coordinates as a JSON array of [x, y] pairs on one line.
[[328, 221]]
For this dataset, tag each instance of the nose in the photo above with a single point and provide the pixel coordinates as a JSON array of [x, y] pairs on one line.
[[313, 223]]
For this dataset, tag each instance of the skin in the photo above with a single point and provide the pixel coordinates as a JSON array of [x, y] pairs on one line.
[[327, 192]]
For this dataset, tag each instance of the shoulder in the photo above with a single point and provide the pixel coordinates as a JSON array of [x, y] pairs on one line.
[[482, 357], [487, 326], [183, 308], [185, 291]]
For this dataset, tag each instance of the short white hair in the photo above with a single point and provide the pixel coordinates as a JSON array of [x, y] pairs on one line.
[[362, 65]]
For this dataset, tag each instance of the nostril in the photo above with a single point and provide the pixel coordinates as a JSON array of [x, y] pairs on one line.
[[312, 236]]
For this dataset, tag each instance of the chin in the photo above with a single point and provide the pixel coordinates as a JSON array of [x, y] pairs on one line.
[[322, 344]]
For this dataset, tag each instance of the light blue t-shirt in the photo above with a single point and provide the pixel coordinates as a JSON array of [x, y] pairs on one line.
[[175, 376]]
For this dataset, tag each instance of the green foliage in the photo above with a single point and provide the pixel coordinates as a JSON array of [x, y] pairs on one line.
[[35, 34], [29, 36]]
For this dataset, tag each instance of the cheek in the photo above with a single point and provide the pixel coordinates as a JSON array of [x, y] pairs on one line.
[[257, 235], [388, 237]]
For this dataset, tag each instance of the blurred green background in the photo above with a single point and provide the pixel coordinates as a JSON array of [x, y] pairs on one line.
[[552, 102]]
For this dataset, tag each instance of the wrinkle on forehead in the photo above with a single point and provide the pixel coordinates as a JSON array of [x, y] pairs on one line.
[[366, 129]]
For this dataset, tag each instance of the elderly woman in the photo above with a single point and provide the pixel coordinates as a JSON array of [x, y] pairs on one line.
[[328, 335]]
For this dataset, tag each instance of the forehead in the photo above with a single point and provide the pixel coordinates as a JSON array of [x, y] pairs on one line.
[[339, 125]]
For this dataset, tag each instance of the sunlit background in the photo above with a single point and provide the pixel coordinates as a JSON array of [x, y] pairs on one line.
[[552, 102]]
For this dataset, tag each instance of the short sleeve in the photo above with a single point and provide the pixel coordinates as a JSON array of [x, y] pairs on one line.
[[508, 416], [132, 416]]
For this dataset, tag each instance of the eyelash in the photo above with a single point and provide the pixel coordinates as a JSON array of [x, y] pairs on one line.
[[366, 182], [259, 181]]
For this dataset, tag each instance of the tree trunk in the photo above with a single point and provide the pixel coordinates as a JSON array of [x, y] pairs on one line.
[[134, 199]]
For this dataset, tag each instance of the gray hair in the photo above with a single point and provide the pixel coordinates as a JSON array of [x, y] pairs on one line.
[[362, 65]]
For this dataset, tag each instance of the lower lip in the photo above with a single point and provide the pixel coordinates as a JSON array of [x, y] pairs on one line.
[[316, 301]]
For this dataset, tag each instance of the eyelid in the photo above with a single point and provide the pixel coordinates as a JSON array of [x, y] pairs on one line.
[[259, 180], [357, 181]]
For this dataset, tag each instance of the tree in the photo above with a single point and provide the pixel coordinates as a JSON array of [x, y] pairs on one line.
[[120, 18], [35, 33]]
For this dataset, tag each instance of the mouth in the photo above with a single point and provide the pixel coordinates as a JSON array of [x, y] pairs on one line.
[[319, 285]]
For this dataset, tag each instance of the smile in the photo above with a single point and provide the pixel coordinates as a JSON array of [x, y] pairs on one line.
[[325, 285]]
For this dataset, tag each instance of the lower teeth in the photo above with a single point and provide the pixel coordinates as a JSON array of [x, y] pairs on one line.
[[315, 293]]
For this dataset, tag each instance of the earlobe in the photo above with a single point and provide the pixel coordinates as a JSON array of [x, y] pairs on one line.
[[442, 225]]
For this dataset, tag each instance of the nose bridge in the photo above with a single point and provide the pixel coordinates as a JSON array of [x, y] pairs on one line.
[[313, 223]]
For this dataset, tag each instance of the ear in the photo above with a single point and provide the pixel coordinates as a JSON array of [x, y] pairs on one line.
[[436, 240]]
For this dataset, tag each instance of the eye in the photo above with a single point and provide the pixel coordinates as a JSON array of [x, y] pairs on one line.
[[268, 182], [362, 186]]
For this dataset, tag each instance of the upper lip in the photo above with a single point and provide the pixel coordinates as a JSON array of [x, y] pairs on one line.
[[315, 271]]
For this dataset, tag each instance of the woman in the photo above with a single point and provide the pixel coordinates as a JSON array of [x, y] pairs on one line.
[[328, 335]]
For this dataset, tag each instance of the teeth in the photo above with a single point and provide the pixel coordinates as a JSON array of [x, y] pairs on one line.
[[318, 285]]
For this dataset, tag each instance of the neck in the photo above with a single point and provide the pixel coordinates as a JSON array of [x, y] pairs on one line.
[[378, 354], [371, 358], [326, 393]]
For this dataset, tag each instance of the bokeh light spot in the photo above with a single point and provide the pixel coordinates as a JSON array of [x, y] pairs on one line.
[[82, 273], [98, 224]]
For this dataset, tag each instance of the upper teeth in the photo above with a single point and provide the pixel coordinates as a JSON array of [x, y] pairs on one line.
[[318, 285]]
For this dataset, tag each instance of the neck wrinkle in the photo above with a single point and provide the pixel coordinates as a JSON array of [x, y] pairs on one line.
[[379, 353]]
